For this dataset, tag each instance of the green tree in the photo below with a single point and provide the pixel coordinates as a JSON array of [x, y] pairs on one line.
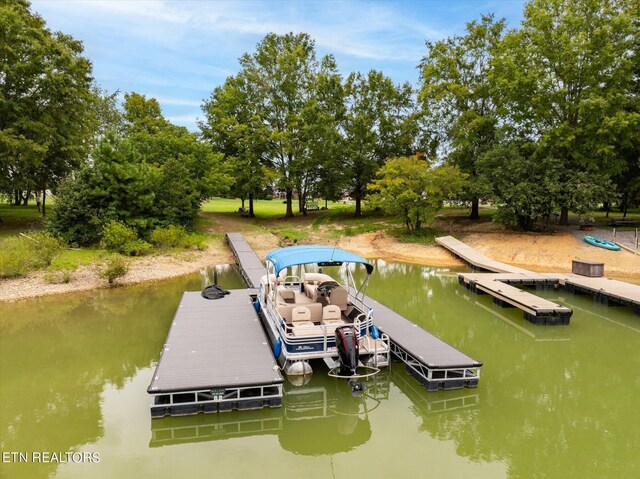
[[562, 79], [379, 122], [527, 184], [413, 188], [456, 93], [188, 170], [281, 77], [117, 186], [233, 127], [46, 102]]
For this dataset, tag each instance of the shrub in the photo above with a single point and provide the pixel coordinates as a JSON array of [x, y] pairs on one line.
[[21, 254], [115, 236], [45, 247], [15, 258], [136, 247], [195, 240], [170, 237], [506, 216], [115, 267]]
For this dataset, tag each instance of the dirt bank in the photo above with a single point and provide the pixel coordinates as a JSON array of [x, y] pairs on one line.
[[531, 251]]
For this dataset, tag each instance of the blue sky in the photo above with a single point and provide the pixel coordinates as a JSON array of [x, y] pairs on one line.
[[179, 51]]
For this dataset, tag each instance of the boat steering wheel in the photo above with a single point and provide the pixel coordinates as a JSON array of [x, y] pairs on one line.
[[324, 288]]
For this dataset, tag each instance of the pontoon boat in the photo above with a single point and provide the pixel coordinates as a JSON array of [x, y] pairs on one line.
[[309, 315]]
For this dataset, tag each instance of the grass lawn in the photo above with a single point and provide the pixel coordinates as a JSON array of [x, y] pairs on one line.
[[19, 219], [263, 209], [72, 258]]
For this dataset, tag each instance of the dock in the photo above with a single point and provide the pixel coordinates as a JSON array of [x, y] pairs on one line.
[[501, 278], [436, 364], [251, 268], [216, 358], [474, 258], [536, 309]]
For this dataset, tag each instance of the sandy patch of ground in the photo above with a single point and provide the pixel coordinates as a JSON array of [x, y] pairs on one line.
[[380, 245], [151, 268]]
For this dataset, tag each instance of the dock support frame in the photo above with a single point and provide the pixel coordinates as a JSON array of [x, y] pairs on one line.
[[434, 378], [184, 403]]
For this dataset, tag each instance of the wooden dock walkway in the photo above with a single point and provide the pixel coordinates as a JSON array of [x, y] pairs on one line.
[[475, 258], [216, 358], [251, 268], [537, 310]]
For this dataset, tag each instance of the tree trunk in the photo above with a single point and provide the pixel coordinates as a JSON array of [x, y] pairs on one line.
[[358, 204], [242, 199], [17, 196], [607, 207], [475, 208], [326, 205], [289, 196], [625, 205], [564, 216], [44, 200], [251, 215], [25, 198]]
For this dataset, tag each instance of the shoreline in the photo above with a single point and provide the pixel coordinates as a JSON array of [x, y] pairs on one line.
[[526, 251]]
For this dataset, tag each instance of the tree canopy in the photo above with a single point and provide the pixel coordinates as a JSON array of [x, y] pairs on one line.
[[562, 79], [414, 189], [456, 92], [46, 101]]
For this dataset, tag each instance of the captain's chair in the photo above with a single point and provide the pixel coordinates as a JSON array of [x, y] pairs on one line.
[[301, 316], [339, 297], [332, 315]]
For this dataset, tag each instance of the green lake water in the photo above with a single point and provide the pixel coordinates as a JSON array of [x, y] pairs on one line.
[[553, 401]]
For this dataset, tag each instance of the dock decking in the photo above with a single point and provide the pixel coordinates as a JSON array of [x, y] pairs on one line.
[[216, 358], [436, 364], [536, 309], [251, 267], [475, 258]]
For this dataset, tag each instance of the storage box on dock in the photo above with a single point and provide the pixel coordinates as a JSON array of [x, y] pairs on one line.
[[587, 268]]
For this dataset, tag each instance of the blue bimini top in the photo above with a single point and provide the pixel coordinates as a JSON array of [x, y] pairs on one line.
[[282, 258]]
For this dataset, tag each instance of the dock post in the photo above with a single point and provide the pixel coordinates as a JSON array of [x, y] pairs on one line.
[[614, 235], [636, 239]]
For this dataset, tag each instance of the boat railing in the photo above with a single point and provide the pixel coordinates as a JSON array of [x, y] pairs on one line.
[[361, 323], [358, 301]]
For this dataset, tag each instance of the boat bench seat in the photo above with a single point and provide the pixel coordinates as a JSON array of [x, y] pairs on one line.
[[286, 309], [304, 331]]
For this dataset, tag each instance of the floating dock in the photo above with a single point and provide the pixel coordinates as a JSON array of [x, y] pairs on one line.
[[434, 363], [537, 310], [216, 358], [251, 267]]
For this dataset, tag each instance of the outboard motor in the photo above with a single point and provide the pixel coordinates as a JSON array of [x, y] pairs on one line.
[[347, 344]]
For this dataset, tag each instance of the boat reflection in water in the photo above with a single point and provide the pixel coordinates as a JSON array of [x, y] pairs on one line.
[[320, 409]]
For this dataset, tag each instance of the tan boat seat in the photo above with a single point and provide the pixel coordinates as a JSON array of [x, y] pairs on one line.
[[339, 297], [301, 316], [332, 315]]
